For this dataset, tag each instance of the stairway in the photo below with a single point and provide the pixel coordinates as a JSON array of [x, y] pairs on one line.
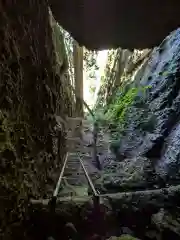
[[79, 137], [79, 141]]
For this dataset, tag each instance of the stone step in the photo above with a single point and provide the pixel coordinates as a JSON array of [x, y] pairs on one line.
[[77, 162], [80, 149], [67, 178], [72, 167], [79, 144], [76, 139], [73, 163], [72, 170], [76, 159], [75, 154]]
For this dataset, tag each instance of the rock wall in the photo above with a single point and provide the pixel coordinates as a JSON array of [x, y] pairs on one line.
[[152, 123], [147, 154], [32, 94]]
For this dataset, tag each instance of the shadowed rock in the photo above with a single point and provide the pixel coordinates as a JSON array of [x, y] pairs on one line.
[[100, 24]]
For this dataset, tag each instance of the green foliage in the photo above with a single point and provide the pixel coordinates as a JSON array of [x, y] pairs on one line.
[[118, 109]]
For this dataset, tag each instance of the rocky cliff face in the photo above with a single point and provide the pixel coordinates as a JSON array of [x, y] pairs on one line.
[[153, 121], [144, 174], [32, 94]]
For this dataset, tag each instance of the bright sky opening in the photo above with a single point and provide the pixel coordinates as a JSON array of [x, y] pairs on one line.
[[101, 62]]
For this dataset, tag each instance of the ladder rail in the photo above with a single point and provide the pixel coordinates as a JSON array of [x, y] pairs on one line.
[[58, 184], [88, 178], [56, 191]]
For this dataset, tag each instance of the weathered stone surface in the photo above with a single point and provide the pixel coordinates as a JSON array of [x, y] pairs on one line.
[[31, 96], [152, 128], [132, 173], [167, 221]]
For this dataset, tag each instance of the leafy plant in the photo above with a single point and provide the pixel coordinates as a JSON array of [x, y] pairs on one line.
[[118, 109]]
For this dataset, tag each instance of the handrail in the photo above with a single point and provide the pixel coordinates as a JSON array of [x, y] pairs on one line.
[[95, 155], [88, 178], [60, 176], [62, 173], [84, 103]]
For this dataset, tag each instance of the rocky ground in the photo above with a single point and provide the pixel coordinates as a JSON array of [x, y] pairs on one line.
[[147, 153], [132, 207]]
